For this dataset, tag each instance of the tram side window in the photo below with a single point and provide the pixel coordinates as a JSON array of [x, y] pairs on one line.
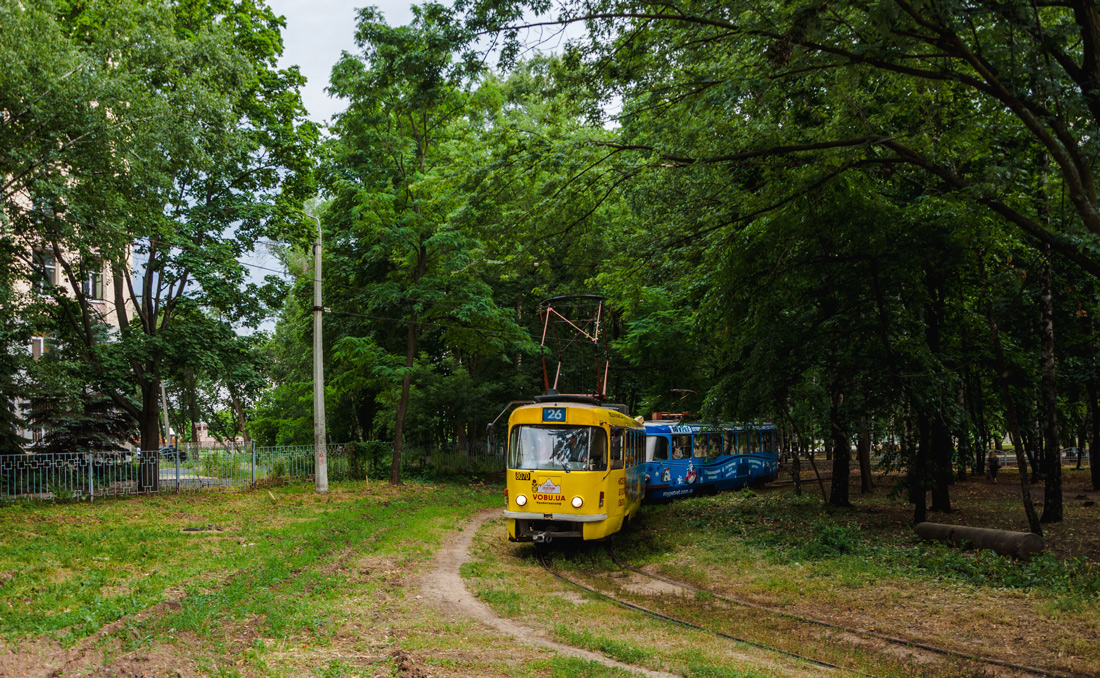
[[598, 450], [769, 441], [616, 448], [700, 445], [743, 442], [730, 440], [656, 448], [681, 447], [714, 445]]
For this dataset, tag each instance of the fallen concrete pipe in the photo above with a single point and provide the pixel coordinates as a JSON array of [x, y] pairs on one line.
[[1018, 544]]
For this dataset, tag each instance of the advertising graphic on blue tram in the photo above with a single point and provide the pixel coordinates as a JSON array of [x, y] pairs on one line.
[[684, 459]]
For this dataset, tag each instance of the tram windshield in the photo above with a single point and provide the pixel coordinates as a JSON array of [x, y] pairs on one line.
[[546, 448]]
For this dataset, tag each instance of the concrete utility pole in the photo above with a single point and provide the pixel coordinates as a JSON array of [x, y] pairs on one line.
[[320, 458]]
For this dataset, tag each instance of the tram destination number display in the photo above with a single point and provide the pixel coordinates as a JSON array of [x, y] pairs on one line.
[[554, 414]]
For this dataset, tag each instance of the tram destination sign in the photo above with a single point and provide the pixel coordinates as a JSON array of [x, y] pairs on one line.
[[554, 414]]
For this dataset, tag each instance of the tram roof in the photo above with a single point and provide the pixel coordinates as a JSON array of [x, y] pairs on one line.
[[614, 410], [677, 426]]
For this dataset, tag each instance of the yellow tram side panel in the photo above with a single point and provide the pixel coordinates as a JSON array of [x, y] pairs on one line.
[[623, 488]]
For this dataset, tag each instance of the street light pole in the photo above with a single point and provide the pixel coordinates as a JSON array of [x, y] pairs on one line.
[[320, 460]]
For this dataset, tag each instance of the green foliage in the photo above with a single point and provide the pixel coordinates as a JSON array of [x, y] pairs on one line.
[[830, 539], [189, 145]]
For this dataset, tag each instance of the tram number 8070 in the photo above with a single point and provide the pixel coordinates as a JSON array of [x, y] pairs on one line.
[[523, 475]]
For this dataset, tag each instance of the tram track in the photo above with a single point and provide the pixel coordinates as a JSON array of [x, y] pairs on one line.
[[864, 633], [540, 557]]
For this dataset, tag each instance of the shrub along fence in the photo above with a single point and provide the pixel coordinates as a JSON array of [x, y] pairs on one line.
[[218, 468]]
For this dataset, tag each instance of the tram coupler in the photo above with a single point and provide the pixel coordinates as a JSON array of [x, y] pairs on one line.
[[542, 537]]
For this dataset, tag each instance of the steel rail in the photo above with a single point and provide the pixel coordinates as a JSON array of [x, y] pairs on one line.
[[859, 632], [541, 558]]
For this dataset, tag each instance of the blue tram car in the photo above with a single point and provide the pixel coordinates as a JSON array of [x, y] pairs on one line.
[[684, 459]]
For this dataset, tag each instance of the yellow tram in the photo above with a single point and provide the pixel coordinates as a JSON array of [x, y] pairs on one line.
[[576, 469]]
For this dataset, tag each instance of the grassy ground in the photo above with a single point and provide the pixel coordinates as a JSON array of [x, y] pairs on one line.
[[860, 568], [285, 583], [294, 584]]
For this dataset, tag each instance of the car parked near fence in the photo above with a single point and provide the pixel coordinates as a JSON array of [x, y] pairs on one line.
[[170, 453], [1071, 453]]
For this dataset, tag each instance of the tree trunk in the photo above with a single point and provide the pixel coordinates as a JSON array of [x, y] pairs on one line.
[[1052, 496], [1094, 435], [1032, 454], [983, 432], [866, 483], [963, 434], [403, 404], [193, 406], [941, 464], [838, 432], [918, 470], [460, 437], [239, 411], [1013, 420], [149, 468]]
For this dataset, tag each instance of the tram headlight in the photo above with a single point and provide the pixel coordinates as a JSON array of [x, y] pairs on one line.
[[577, 502], [521, 500]]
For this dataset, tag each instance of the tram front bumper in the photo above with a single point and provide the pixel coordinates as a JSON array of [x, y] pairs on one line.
[[565, 517], [544, 527]]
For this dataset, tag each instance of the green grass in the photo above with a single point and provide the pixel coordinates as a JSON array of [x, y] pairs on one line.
[[779, 529], [288, 586], [861, 568], [628, 653], [573, 667]]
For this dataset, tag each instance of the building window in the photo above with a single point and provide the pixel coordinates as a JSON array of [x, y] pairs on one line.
[[92, 283], [38, 347], [46, 267]]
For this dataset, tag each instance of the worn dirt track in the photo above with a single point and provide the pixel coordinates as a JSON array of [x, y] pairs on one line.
[[444, 586]]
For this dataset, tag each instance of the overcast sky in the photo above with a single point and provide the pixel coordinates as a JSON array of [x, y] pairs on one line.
[[317, 31]]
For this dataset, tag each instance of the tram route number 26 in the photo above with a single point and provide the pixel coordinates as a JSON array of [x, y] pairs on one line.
[[553, 414]]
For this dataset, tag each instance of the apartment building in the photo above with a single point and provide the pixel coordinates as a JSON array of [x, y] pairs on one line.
[[46, 272]]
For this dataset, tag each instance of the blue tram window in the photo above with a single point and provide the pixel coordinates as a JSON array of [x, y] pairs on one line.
[[681, 447], [714, 445], [656, 448]]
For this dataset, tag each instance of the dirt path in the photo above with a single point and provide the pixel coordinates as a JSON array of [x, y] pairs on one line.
[[444, 584]]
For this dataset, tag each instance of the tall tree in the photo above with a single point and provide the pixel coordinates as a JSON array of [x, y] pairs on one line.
[[392, 178], [215, 154]]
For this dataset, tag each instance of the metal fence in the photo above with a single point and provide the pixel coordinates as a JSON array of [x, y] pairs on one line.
[[47, 476]]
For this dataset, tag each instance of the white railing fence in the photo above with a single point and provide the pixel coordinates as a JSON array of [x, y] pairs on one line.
[[193, 468]]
